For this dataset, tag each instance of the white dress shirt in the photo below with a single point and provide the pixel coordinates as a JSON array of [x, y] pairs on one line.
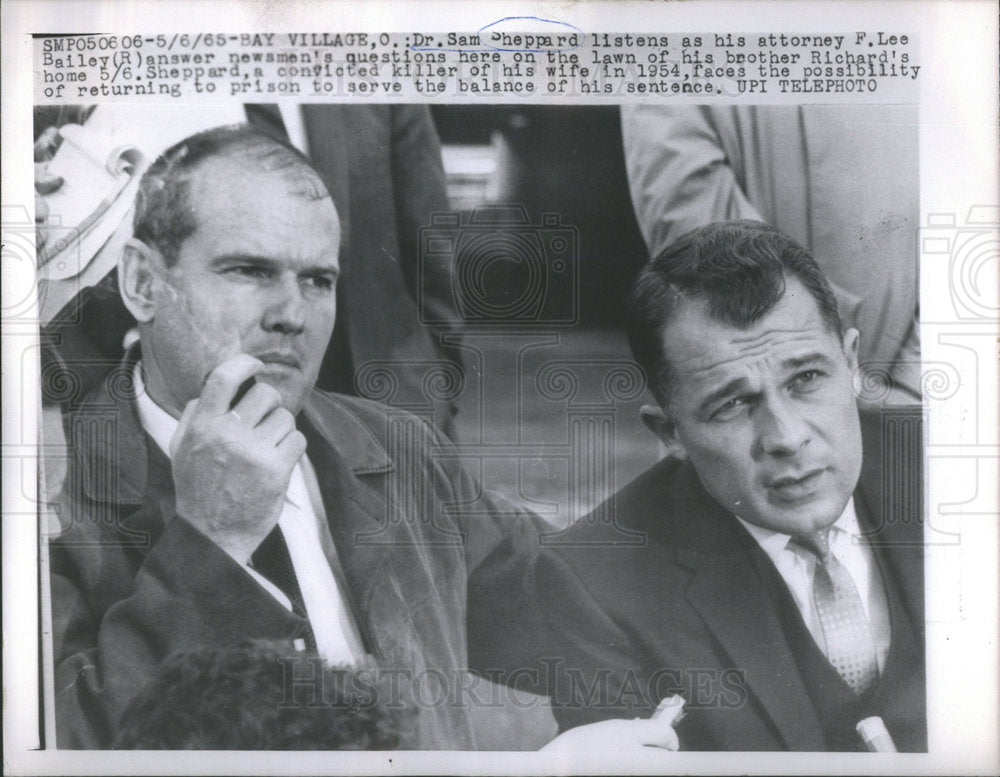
[[307, 535], [853, 552]]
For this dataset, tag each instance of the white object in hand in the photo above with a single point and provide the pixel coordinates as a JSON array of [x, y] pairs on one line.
[[671, 709], [875, 735], [655, 731]]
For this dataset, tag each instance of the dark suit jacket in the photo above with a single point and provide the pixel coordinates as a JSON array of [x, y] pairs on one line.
[[662, 591], [132, 582]]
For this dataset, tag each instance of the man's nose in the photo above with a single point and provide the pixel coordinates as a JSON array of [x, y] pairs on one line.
[[782, 428], [285, 312]]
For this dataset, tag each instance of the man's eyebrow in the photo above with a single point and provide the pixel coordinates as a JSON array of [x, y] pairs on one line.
[[264, 261], [807, 360], [732, 387], [237, 258], [736, 385], [320, 269]]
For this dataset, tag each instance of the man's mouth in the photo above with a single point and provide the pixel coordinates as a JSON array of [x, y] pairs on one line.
[[795, 486], [280, 359]]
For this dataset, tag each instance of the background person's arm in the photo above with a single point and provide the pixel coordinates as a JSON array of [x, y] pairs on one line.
[[679, 175]]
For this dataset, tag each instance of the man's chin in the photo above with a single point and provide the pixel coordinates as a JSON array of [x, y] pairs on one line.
[[809, 521], [293, 394], [801, 519]]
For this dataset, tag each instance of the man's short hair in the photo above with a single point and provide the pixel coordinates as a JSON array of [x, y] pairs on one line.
[[164, 214], [737, 268], [260, 695]]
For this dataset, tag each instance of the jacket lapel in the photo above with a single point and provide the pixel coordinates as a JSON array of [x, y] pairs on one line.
[[122, 471], [149, 520], [353, 508], [109, 440], [729, 595]]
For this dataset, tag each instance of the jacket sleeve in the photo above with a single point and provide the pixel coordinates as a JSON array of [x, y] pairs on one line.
[[501, 541], [187, 594], [678, 173], [510, 644], [573, 651]]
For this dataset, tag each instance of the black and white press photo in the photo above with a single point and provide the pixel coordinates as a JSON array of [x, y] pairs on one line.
[[512, 392]]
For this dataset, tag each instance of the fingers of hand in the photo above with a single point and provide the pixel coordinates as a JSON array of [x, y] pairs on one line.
[[275, 427], [259, 404], [45, 146], [617, 735], [655, 733], [292, 447], [224, 381]]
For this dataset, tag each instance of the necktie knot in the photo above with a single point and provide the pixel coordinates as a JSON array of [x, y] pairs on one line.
[[817, 543]]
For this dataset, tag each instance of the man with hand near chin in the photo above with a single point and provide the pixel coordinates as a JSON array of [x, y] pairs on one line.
[[770, 569], [197, 513]]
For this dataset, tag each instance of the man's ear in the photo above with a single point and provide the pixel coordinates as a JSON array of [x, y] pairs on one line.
[[850, 342], [137, 270], [662, 425]]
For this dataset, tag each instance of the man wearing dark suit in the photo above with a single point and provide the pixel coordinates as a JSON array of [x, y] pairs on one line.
[[770, 569], [202, 510]]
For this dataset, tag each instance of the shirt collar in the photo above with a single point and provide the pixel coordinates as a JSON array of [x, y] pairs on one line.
[[156, 421], [773, 543], [162, 426]]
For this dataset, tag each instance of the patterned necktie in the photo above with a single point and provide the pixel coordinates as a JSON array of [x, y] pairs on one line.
[[850, 647]]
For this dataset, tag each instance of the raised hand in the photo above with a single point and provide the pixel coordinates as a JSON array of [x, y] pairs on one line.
[[231, 466]]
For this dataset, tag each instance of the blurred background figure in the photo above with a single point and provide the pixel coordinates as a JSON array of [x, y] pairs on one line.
[[841, 180], [396, 316], [260, 696]]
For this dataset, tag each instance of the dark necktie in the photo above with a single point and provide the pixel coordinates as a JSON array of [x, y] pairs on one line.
[[850, 647], [273, 561]]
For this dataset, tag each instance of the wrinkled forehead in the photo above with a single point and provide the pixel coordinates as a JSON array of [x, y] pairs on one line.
[[276, 169], [699, 347], [247, 182]]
